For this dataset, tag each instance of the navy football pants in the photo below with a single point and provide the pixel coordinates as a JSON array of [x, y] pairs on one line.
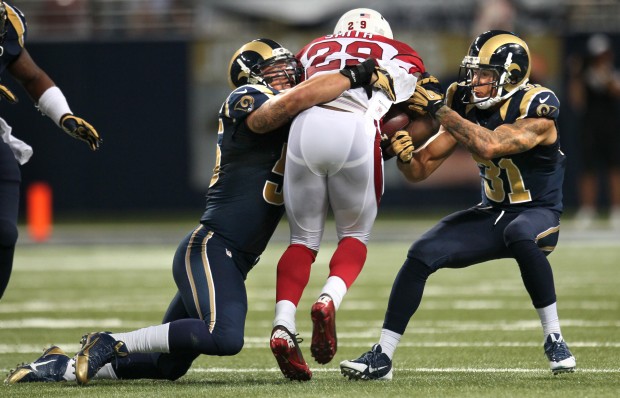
[[10, 178], [207, 315], [474, 236]]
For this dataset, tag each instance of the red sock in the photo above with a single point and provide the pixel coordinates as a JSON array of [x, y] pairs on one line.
[[293, 273], [348, 260]]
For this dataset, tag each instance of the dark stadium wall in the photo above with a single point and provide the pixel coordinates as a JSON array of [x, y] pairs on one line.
[[144, 98], [135, 94]]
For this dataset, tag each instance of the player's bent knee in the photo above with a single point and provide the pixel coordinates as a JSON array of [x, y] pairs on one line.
[[516, 231], [230, 345], [8, 233], [175, 370]]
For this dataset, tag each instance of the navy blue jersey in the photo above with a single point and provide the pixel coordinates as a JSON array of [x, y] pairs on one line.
[[244, 200], [529, 179], [15, 37]]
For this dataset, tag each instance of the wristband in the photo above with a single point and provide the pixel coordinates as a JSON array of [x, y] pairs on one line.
[[53, 104]]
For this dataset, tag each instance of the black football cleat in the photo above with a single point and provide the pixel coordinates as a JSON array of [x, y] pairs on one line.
[[373, 365], [49, 367], [98, 349]]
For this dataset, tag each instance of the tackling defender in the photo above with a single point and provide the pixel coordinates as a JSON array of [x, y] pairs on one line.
[[15, 59], [244, 206], [510, 128]]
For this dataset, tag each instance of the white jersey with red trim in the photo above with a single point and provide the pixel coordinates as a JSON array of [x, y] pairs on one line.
[[333, 52]]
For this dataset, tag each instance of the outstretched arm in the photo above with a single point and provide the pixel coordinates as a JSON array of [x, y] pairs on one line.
[[34, 79], [283, 107], [429, 157], [317, 90], [50, 100], [506, 139]]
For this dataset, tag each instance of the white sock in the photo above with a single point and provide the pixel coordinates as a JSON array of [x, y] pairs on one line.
[[106, 373], [336, 288], [285, 315], [549, 319], [70, 371], [150, 339], [389, 341]]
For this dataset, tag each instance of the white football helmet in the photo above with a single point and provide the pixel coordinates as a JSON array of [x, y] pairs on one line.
[[364, 20]]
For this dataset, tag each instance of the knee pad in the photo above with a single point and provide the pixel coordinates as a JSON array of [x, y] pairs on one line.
[[8, 233], [517, 231], [173, 370], [229, 344], [418, 269]]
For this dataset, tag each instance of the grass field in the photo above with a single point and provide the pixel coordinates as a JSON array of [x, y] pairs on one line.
[[475, 335]]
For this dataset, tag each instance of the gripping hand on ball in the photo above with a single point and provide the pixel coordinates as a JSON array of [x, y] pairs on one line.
[[79, 128], [402, 145], [7, 94], [428, 96]]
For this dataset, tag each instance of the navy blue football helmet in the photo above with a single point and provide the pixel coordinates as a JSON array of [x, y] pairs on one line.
[[250, 61]]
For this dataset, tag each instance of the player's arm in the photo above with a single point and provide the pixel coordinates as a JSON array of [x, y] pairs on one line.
[[429, 157], [34, 79], [50, 100], [506, 139], [281, 108]]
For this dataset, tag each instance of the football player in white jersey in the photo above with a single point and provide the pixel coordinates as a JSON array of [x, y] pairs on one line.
[[334, 161]]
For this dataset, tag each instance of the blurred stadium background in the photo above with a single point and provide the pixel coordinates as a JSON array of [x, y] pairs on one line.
[[151, 75]]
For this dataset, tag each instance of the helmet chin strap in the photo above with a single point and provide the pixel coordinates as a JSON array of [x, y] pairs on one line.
[[485, 103], [489, 102]]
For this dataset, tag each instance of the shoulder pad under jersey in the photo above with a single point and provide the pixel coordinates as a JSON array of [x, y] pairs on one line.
[[18, 22], [538, 101], [245, 99]]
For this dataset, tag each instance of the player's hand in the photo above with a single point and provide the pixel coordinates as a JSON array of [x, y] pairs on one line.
[[8, 94], [428, 96], [386, 149], [360, 75], [385, 82], [79, 128], [402, 145]]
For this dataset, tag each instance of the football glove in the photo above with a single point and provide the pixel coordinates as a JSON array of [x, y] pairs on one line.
[[385, 83], [428, 96], [386, 149], [402, 145], [7, 94], [360, 75], [79, 128]]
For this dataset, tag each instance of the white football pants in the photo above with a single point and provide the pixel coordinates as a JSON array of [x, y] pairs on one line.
[[331, 161]]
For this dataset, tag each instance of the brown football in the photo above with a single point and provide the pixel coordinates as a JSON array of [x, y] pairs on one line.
[[419, 127], [395, 119]]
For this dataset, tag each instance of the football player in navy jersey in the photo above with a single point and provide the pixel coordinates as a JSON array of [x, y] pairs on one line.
[[510, 128], [50, 100], [244, 206]]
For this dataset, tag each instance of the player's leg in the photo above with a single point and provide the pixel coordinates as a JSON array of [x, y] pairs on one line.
[[530, 237], [305, 198], [157, 365], [212, 287], [9, 202], [213, 292], [456, 241], [354, 187]]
